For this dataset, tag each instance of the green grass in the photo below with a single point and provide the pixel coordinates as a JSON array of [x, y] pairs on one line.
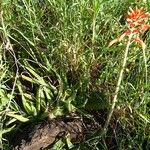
[[55, 59]]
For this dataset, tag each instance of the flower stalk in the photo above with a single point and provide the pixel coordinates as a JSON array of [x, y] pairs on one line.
[[136, 21], [118, 85]]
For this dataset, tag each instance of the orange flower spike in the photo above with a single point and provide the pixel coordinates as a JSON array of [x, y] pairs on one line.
[[133, 14], [136, 16], [136, 23]]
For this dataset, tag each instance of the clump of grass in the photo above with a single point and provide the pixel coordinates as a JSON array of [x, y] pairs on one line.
[[55, 59]]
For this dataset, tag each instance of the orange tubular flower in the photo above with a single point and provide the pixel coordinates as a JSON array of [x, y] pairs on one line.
[[136, 21]]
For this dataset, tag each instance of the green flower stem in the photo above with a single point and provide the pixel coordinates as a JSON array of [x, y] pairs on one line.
[[117, 87]]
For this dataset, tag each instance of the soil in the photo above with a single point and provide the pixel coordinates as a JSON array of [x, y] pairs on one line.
[[46, 133]]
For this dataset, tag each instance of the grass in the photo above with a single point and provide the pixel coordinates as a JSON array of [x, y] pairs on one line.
[[55, 59]]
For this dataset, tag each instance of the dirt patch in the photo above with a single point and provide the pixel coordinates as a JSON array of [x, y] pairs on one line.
[[46, 133]]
